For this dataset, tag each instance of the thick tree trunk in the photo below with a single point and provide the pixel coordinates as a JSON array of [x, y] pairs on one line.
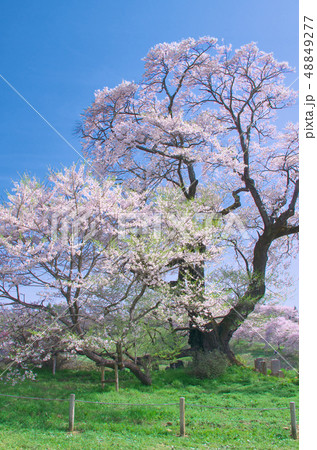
[[208, 341], [143, 377], [219, 335]]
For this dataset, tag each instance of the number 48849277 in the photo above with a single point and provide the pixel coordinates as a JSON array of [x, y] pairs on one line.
[[308, 44]]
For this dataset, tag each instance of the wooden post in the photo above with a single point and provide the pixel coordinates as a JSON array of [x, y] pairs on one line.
[[119, 354], [116, 374], [293, 420], [54, 364], [102, 377], [71, 412], [182, 416]]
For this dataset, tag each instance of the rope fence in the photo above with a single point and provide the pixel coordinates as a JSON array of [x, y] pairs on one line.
[[72, 401]]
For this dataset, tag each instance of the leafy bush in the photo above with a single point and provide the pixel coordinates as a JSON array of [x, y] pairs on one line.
[[209, 364]]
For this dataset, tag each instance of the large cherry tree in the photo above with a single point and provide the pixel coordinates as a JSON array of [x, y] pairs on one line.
[[202, 121]]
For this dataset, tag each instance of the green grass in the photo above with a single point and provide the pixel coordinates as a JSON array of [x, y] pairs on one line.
[[33, 424]]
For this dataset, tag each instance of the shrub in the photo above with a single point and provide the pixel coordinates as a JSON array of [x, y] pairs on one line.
[[209, 364]]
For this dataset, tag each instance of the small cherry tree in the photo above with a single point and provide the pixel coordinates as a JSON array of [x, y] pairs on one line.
[[29, 339], [99, 260], [62, 239]]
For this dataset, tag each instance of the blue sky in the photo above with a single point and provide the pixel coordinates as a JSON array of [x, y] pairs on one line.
[[56, 54]]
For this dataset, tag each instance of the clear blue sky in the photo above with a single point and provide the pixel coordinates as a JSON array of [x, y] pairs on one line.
[[57, 53]]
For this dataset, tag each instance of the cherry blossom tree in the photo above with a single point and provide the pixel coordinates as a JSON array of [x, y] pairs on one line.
[[201, 120], [29, 339], [273, 324], [98, 260], [62, 239]]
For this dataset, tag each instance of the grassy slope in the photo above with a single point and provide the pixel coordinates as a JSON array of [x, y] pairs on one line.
[[247, 353], [29, 424]]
